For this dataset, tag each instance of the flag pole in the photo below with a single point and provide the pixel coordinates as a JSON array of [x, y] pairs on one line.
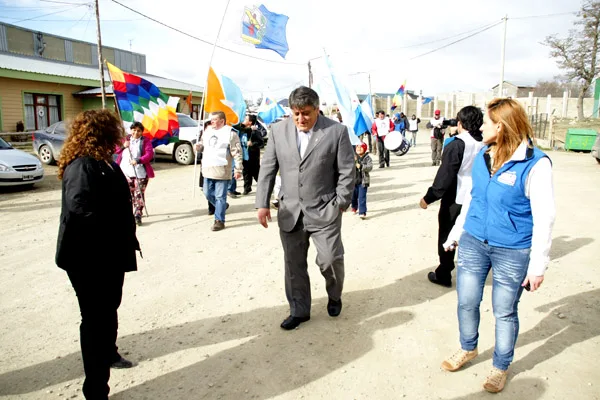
[[128, 149], [212, 54]]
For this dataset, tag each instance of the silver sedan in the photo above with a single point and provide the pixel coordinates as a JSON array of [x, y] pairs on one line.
[[18, 167]]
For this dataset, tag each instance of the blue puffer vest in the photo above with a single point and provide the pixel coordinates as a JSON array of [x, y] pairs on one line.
[[500, 213]]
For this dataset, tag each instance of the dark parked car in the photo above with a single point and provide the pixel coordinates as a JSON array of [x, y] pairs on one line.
[[48, 142]]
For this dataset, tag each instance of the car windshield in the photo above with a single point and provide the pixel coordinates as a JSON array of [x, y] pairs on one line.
[[186, 122], [4, 145]]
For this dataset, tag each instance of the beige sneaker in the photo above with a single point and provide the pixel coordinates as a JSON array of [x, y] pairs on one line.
[[458, 359], [495, 381]]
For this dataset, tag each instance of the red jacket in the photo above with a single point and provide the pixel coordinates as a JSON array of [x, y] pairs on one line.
[[374, 128], [147, 155]]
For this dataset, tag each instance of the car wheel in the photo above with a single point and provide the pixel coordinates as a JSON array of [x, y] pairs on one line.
[[184, 154], [46, 155]]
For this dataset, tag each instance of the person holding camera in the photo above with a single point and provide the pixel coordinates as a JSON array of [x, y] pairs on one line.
[[437, 137], [452, 182], [506, 227]]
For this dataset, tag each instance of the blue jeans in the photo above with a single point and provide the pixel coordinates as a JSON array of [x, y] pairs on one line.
[[232, 182], [509, 269], [215, 191], [359, 199]]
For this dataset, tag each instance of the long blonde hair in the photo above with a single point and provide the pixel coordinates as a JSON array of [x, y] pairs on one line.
[[93, 133], [514, 128]]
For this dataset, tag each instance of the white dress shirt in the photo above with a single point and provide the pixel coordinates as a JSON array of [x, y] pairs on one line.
[[540, 192], [302, 139]]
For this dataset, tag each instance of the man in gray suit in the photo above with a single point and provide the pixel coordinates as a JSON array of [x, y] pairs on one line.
[[316, 163]]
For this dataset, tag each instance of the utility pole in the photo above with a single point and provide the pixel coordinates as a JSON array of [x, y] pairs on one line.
[[310, 76], [100, 65], [371, 94], [501, 87]]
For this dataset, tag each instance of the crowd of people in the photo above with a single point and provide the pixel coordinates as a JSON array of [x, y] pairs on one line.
[[495, 187]]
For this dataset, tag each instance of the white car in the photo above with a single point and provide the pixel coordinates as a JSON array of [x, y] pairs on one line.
[[18, 167], [183, 150]]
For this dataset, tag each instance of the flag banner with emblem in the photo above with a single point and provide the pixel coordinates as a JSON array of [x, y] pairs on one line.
[[427, 100], [265, 29], [140, 100]]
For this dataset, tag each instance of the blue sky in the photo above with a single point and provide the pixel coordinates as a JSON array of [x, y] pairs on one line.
[[359, 36]]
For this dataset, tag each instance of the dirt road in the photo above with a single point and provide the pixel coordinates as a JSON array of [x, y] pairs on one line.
[[202, 314]]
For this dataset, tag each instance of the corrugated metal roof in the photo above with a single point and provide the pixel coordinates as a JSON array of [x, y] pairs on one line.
[[39, 66]]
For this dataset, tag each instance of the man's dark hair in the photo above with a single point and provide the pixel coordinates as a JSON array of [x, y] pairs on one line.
[[252, 119], [137, 125], [303, 97], [471, 118], [380, 112]]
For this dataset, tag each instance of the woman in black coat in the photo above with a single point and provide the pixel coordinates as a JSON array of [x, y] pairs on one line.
[[96, 239]]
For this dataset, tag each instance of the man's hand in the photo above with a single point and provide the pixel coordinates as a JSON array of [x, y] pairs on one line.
[[126, 144], [264, 215], [423, 204], [197, 146], [133, 162], [534, 282], [237, 175], [249, 143]]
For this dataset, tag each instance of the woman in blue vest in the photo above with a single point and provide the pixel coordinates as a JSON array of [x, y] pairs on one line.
[[505, 226]]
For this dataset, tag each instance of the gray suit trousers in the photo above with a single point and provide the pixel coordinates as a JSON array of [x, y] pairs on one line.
[[330, 259]]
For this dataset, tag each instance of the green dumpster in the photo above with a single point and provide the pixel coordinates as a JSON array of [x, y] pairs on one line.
[[580, 139]]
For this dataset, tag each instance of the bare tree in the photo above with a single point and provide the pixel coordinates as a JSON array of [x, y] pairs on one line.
[[578, 52]]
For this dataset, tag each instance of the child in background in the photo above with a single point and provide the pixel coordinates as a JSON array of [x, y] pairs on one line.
[[364, 165]]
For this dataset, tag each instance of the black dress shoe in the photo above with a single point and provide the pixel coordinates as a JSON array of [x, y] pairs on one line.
[[247, 192], [293, 322], [434, 279], [334, 308], [121, 363]]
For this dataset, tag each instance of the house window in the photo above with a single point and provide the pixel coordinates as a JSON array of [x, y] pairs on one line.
[[195, 111], [41, 110]]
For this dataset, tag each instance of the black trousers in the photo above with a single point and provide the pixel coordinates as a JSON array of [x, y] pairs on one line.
[[99, 295], [384, 154], [446, 219], [251, 169]]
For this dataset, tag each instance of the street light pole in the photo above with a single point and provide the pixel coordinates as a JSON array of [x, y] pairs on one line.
[[100, 65], [501, 86]]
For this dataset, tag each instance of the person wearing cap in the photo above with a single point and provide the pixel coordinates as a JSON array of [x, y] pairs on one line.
[[364, 165], [437, 137]]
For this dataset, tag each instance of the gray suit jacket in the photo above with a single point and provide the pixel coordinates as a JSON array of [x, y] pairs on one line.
[[317, 185]]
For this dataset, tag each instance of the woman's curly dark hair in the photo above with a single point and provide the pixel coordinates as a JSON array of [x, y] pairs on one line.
[[93, 133]]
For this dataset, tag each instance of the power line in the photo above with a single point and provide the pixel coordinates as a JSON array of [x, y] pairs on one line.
[[203, 40], [62, 2], [546, 15], [45, 15], [456, 41]]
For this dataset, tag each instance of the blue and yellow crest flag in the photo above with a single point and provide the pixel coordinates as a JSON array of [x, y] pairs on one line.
[[265, 29]]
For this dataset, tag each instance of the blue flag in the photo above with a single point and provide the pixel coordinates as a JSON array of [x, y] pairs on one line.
[[427, 100], [270, 111], [265, 29], [360, 124]]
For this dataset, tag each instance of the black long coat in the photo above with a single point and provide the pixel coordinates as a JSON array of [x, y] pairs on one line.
[[97, 228]]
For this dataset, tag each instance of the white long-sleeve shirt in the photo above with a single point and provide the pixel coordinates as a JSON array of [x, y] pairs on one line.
[[539, 189]]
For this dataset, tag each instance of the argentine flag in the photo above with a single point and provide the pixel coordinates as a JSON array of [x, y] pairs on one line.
[[269, 111]]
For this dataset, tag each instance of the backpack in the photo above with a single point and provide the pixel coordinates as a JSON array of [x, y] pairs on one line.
[[438, 133]]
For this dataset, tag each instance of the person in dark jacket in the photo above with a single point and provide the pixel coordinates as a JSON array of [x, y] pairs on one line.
[[96, 239], [451, 183], [256, 132]]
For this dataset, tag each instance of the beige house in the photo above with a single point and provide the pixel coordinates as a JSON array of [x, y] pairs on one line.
[[46, 78], [513, 90]]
